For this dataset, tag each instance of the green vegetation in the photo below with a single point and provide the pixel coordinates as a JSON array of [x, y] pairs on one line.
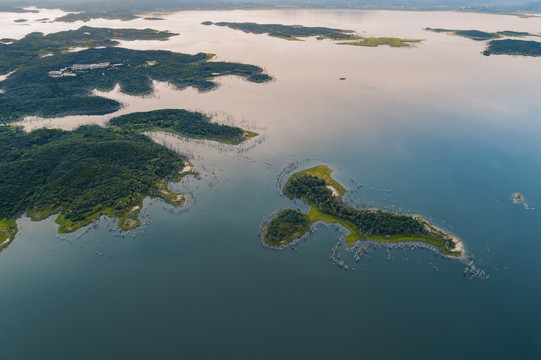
[[32, 91], [26, 51], [378, 41], [20, 20], [181, 122], [294, 32], [482, 35], [8, 229], [513, 47], [89, 15], [153, 18], [288, 32], [322, 172], [286, 226], [317, 189], [500, 47], [81, 175]]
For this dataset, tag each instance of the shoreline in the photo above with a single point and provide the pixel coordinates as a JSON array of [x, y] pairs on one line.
[[379, 226]]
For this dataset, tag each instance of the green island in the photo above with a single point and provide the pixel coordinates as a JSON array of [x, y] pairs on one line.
[[81, 175], [94, 171], [503, 46], [513, 47], [317, 188], [482, 35], [50, 82], [183, 123], [378, 41], [296, 32], [90, 15], [35, 46]]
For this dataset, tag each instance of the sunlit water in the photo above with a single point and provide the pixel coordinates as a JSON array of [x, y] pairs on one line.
[[437, 130]]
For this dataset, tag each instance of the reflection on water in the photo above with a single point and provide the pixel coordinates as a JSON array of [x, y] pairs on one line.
[[437, 130]]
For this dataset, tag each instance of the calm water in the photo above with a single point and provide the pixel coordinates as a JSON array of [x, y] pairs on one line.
[[438, 130]]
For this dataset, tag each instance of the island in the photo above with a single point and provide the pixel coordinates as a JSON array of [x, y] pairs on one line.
[[90, 15], [296, 32], [513, 47], [48, 81], [183, 123], [482, 35], [94, 171], [323, 194], [517, 198], [503, 46]]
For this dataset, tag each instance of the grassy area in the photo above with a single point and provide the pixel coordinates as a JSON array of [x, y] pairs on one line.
[[316, 215], [378, 41], [323, 172], [8, 229]]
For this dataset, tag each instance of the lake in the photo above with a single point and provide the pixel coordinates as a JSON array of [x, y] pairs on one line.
[[437, 130]]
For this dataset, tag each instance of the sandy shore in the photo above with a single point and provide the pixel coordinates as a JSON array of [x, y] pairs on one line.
[[6, 242], [186, 169], [333, 190], [459, 245]]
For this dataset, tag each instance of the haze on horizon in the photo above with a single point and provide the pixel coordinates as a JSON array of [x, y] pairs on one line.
[[143, 5]]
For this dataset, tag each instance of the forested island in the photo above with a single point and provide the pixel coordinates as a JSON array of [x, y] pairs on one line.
[[481, 35], [48, 81], [93, 171], [90, 15], [513, 47], [81, 175], [183, 123], [296, 32], [503, 46], [317, 188]]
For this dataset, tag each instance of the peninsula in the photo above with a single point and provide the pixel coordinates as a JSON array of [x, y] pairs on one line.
[[94, 171], [183, 123], [297, 32], [317, 188], [48, 81]]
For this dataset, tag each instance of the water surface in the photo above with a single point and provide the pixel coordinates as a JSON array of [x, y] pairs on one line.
[[437, 130]]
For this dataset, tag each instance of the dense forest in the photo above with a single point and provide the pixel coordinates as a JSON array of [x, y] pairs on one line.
[[287, 226], [295, 32], [28, 50], [315, 187], [90, 15], [290, 32], [314, 191], [181, 122], [81, 174], [481, 35], [513, 47], [32, 91]]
